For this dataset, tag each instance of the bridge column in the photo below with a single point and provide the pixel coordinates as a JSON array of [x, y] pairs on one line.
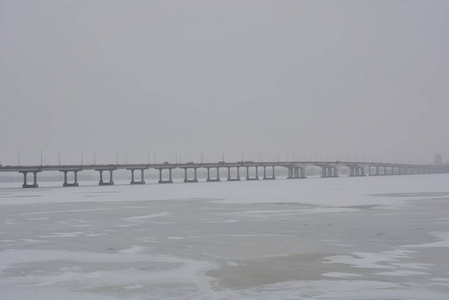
[[335, 172], [25, 184], [35, 179], [324, 172], [75, 182], [290, 173], [265, 174], [238, 174], [142, 180], [362, 171], [142, 174], [186, 179], [377, 170], [252, 178], [213, 179], [299, 172], [303, 173], [161, 180], [111, 180]]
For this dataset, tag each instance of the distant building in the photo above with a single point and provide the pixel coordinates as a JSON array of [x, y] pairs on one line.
[[438, 159]]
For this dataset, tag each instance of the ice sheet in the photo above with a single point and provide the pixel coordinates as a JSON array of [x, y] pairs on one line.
[[339, 238]]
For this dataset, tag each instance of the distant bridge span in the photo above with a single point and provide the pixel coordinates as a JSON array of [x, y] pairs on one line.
[[296, 170]]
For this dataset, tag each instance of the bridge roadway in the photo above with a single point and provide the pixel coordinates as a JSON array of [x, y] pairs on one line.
[[296, 170]]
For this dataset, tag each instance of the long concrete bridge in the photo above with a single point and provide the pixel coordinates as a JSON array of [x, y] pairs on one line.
[[254, 170]]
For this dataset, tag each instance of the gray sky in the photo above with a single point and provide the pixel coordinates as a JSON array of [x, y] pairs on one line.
[[335, 79]]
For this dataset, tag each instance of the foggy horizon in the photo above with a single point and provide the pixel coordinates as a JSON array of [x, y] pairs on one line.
[[333, 80]]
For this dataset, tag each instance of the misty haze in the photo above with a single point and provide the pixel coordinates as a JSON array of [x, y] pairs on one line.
[[224, 149]]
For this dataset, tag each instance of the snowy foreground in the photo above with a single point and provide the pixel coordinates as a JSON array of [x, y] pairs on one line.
[[336, 238]]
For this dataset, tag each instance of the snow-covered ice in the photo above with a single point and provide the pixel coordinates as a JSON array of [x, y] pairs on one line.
[[380, 237]]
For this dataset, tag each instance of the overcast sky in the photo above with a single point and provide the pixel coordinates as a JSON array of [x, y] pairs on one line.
[[336, 79]]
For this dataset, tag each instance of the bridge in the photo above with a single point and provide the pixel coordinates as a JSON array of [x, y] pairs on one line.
[[254, 170]]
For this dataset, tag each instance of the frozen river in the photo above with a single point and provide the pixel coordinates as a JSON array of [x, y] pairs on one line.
[[336, 238]]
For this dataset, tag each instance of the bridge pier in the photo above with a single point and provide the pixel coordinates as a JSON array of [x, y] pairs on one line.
[[356, 171], [142, 176], [326, 172], [25, 184], [333, 172], [75, 180], [296, 173], [111, 180], [209, 179], [186, 179], [323, 172], [229, 174], [329, 172], [161, 180], [252, 178], [273, 174], [292, 173]]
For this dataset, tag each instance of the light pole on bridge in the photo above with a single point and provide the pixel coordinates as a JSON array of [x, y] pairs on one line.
[[18, 158]]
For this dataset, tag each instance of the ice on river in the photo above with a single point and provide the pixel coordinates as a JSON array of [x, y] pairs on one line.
[[383, 237]]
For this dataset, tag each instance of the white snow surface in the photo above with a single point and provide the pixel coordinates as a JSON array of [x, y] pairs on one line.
[[382, 237]]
